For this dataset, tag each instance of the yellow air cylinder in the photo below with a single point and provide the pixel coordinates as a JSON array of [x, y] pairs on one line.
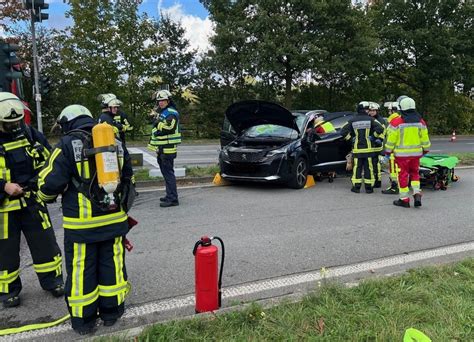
[[107, 164]]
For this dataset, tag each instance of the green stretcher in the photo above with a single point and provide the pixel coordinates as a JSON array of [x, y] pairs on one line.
[[437, 170]]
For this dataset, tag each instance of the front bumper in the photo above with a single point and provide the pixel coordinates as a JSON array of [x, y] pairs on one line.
[[273, 169]]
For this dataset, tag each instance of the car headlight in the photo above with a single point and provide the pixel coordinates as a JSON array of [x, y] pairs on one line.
[[277, 151], [224, 152]]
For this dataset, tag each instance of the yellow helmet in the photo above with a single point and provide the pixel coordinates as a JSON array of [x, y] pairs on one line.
[[11, 107]]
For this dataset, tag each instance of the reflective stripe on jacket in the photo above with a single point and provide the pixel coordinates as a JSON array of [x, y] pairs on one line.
[[29, 159], [83, 219], [166, 134], [363, 130], [407, 139]]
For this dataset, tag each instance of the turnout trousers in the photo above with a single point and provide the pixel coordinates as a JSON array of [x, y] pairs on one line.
[[393, 169], [363, 171], [408, 174], [96, 282], [38, 231], [166, 164]]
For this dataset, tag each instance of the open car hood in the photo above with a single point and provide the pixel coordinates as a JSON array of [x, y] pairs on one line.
[[245, 114]]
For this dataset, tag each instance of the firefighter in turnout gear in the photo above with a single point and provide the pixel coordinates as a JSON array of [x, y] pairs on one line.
[[374, 111], [408, 140], [364, 131], [393, 112], [94, 230], [23, 152], [112, 114], [165, 137]]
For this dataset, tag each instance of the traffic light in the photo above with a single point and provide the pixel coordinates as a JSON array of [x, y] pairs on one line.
[[37, 7], [44, 84], [9, 70]]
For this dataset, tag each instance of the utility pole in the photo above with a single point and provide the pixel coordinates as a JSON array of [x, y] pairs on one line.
[[35, 7]]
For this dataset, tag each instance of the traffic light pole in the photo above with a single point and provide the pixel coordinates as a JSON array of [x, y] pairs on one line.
[[36, 73]]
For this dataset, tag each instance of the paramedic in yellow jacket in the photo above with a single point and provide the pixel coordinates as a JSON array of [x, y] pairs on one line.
[[408, 140]]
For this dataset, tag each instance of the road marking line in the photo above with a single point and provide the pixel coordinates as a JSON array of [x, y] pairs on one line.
[[269, 284]]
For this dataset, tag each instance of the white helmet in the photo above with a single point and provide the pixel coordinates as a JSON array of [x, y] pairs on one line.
[[162, 95], [106, 98], [393, 105], [11, 107], [374, 106], [114, 103], [407, 104], [401, 97], [73, 112], [363, 105]]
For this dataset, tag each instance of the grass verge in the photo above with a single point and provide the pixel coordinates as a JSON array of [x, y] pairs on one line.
[[438, 301], [465, 158], [191, 171]]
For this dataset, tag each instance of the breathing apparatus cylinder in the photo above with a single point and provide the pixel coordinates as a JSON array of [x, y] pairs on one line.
[[108, 175]]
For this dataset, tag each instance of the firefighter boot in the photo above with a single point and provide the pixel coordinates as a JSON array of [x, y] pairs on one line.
[[393, 190], [377, 184], [401, 203], [163, 199], [369, 189], [58, 291], [417, 198], [356, 188], [11, 302]]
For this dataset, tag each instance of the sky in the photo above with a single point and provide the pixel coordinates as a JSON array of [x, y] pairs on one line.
[[192, 15]]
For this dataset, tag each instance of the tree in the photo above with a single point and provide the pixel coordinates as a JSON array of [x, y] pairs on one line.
[[272, 37], [424, 47], [90, 55], [137, 51]]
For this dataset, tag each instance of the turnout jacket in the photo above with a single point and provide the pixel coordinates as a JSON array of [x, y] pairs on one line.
[[84, 220], [166, 134], [119, 122], [21, 159], [366, 134]]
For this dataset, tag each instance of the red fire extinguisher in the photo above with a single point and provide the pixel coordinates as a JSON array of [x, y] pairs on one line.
[[208, 287]]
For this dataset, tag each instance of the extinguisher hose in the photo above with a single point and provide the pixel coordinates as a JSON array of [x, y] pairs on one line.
[[221, 268]]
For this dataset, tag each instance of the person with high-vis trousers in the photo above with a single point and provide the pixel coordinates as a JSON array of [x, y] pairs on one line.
[[94, 226], [364, 131], [408, 140], [393, 113], [165, 137], [23, 152]]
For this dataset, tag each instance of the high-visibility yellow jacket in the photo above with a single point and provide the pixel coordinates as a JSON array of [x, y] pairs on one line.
[[407, 136]]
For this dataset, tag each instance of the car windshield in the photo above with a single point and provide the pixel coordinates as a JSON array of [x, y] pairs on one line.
[[270, 131]]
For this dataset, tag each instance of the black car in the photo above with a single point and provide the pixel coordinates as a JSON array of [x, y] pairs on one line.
[[263, 141]]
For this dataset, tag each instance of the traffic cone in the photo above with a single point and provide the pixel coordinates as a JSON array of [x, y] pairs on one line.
[[218, 180], [309, 182], [453, 136]]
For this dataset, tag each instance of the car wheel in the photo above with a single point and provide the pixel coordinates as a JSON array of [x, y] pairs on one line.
[[299, 174]]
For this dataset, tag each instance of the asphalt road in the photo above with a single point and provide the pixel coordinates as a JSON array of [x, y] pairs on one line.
[[269, 231], [193, 155]]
